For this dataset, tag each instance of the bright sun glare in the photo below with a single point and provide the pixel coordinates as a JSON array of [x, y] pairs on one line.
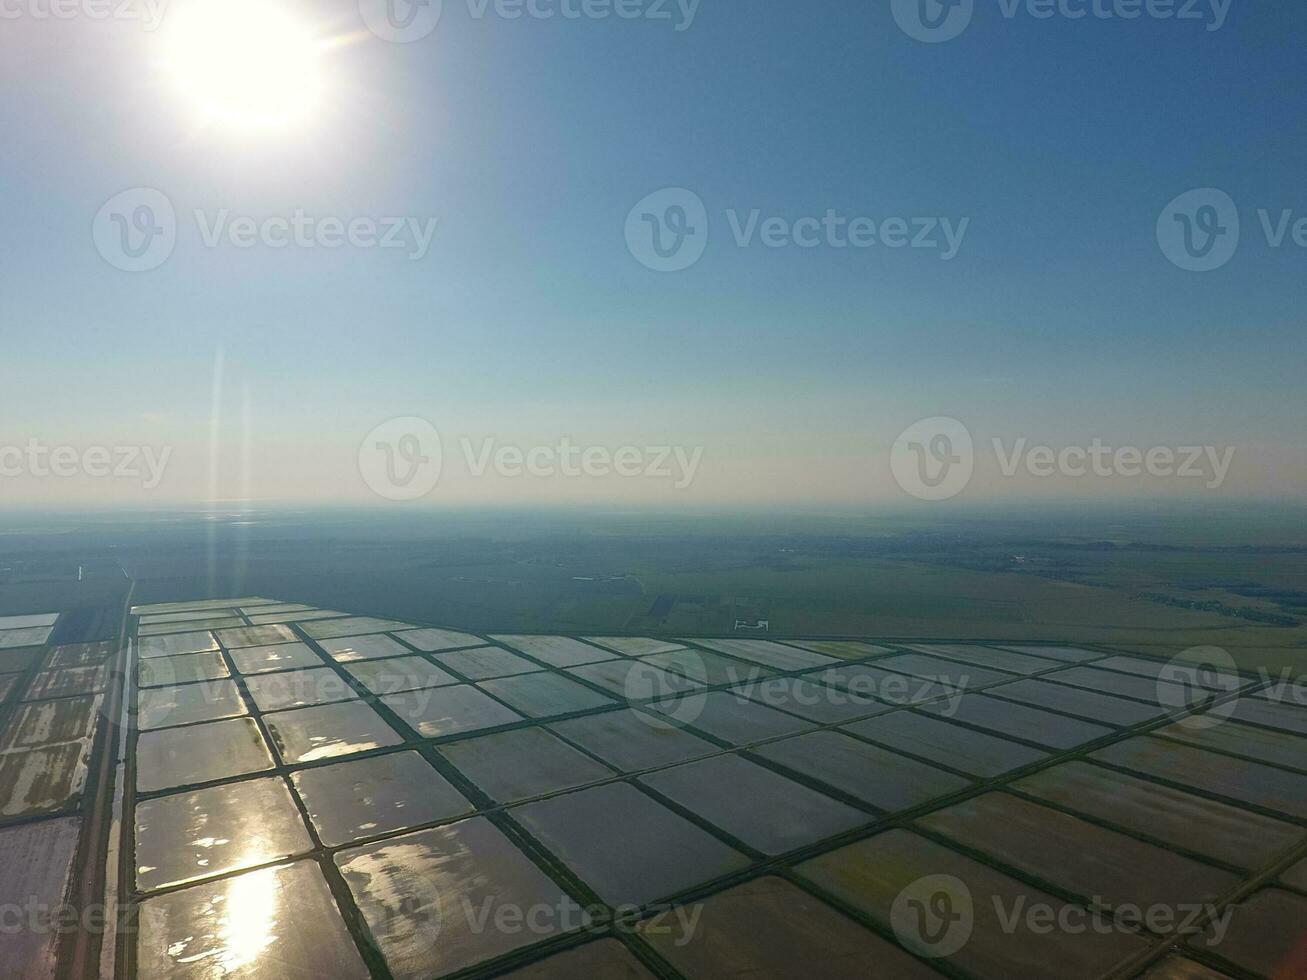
[[248, 64]]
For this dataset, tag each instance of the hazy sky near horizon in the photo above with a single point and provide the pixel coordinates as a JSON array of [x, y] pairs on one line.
[[770, 374]]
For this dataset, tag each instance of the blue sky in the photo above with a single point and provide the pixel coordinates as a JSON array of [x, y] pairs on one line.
[[1059, 320]]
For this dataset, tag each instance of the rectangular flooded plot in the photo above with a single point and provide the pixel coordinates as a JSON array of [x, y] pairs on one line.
[[811, 700], [883, 779], [1020, 721], [17, 661], [1204, 674], [28, 637], [42, 779], [256, 636], [484, 663], [36, 867], [207, 604], [769, 928], [768, 654], [190, 836], [264, 619], [633, 680], [1108, 682], [545, 695], [279, 656], [941, 670], [951, 745], [1081, 702], [604, 958], [1181, 968], [760, 807], [1084, 859], [557, 651], [1236, 779], [636, 646], [399, 674], [298, 689], [185, 704], [707, 668], [161, 629], [170, 646], [450, 710], [328, 731], [730, 717], [80, 655], [352, 626], [1296, 876], [47, 722], [1203, 826], [633, 740], [895, 688], [27, 621], [420, 897], [186, 669], [185, 617], [1017, 663], [1267, 935], [603, 835], [1072, 655], [183, 756], [1068, 655], [1259, 744], [512, 766], [68, 683], [842, 649], [298, 932], [434, 641], [276, 607], [350, 801], [351, 649], [1259, 711], [871, 876]]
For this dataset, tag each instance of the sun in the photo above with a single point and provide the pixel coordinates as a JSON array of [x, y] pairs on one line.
[[245, 64]]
